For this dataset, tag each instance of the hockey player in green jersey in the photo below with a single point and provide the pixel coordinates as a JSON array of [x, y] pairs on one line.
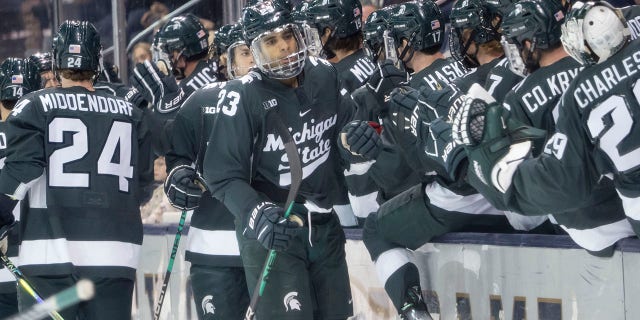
[[217, 276], [44, 63], [181, 48], [532, 35], [247, 168], [593, 129], [84, 159], [17, 78]]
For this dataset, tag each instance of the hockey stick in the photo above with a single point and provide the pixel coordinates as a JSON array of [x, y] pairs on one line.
[[167, 275], [22, 281], [83, 290], [295, 167]]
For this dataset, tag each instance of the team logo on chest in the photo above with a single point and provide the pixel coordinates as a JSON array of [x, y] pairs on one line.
[[291, 302], [207, 305]]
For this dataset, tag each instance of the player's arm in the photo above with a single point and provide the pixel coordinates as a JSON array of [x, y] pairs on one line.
[[145, 157]]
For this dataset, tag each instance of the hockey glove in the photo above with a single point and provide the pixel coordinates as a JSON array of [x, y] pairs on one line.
[[441, 153], [161, 91], [268, 226], [382, 82], [184, 188], [360, 141], [495, 143]]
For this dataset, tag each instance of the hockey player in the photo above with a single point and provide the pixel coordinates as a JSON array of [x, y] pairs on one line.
[[593, 129], [441, 203], [533, 29], [339, 23], [83, 157], [220, 46], [248, 169], [217, 276], [181, 47], [17, 78], [44, 63]]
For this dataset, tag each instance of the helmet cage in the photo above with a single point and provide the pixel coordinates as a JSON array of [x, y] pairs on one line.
[[275, 68], [234, 71]]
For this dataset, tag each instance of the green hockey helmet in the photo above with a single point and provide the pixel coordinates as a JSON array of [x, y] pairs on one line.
[[374, 31], [17, 78], [537, 22], [42, 60], [221, 39], [342, 17], [472, 21], [420, 23], [265, 26], [76, 46], [183, 34], [236, 42]]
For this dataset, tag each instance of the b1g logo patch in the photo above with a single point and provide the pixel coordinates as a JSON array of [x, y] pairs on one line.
[[291, 302]]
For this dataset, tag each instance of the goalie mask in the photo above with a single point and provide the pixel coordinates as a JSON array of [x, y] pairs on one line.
[[421, 24], [76, 46], [17, 78], [276, 43], [181, 37], [473, 22], [531, 27], [594, 31]]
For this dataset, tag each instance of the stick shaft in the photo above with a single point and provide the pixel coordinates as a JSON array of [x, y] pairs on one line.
[[167, 275]]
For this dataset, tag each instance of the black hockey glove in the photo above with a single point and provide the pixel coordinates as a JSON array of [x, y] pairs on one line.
[[495, 143], [161, 91], [184, 188], [7, 220], [268, 226], [440, 151], [360, 141], [382, 82]]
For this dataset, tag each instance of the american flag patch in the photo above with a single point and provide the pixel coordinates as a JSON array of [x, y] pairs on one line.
[[16, 79], [200, 34], [559, 15], [74, 48], [435, 24]]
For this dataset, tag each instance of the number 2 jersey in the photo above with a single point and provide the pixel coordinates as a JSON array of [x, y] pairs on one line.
[[85, 159], [596, 136], [245, 161]]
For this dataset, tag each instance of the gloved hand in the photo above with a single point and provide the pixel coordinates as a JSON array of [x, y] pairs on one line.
[[268, 226], [495, 143], [7, 220], [161, 91], [360, 141], [382, 82], [184, 187]]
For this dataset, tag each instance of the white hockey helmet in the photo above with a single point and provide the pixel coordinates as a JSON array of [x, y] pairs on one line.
[[594, 31]]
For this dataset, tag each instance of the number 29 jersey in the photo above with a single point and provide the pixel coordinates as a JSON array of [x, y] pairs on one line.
[[84, 157]]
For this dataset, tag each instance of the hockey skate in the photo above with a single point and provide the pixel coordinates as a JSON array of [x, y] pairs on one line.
[[414, 307]]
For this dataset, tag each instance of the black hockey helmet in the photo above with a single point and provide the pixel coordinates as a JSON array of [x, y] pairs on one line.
[[17, 78], [342, 17], [481, 20], [76, 46]]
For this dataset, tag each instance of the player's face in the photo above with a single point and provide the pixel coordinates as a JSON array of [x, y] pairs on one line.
[[279, 44], [242, 60], [49, 80]]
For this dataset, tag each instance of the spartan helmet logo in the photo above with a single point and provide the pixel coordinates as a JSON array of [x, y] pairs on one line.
[[207, 305], [291, 301]]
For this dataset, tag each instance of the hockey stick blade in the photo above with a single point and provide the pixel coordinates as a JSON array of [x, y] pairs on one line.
[[83, 290], [25, 284], [295, 167], [167, 275]]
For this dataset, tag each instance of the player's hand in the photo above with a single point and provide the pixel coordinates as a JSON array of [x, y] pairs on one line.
[[7, 220], [155, 87], [495, 143], [184, 188], [360, 141], [386, 78], [267, 225]]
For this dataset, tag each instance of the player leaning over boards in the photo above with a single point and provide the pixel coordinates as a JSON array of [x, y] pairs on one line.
[[84, 159], [594, 128], [217, 276], [17, 78], [246, 167]]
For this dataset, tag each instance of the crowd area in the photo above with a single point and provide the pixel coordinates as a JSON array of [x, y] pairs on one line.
[[408, 119]]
